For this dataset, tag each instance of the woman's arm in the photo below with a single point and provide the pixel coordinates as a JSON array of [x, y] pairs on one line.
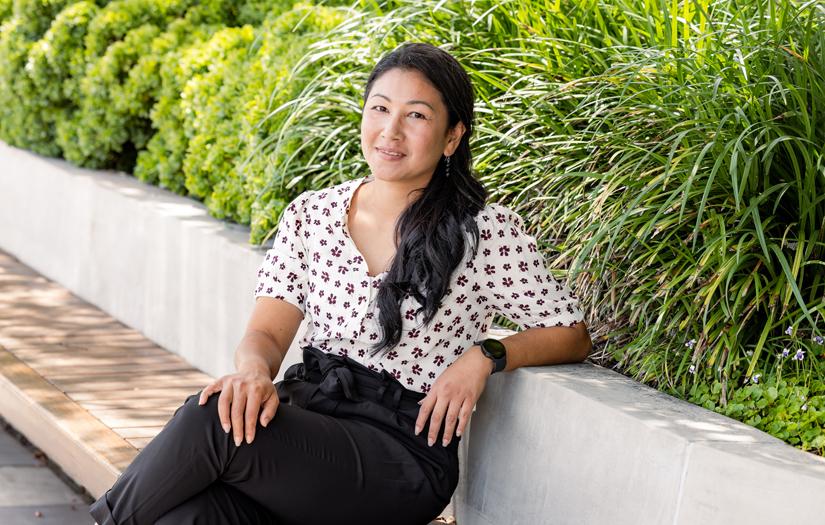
[[546, 346], [258, 351], [269, 334]]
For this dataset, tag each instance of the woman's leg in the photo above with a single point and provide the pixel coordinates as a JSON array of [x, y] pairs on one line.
[[305, 468], [219, 504]]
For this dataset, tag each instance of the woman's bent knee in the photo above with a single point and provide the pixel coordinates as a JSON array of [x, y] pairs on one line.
[[199, 416]]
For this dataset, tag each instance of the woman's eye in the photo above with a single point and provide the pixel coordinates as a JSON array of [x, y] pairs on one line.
[[379, 108], [416, 114]]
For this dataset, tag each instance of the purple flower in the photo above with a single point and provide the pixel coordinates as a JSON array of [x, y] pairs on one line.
[[785, 352], [692, 369], [818, 339], [800, 355], [756, 378], [690, 343], [789, 330]]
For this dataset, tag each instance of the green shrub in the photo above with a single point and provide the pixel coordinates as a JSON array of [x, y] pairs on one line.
[[6, 10], [55, 66], [21, 116], [95, 134], [690, 191], [124, 48], [173, 114], [230, 101], [36, 15]]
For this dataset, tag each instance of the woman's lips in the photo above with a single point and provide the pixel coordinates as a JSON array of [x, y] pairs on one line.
[[388, 155]]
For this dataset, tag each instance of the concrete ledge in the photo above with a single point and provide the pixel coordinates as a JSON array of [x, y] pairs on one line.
[[563, 444], [580, 444], [152, 259]]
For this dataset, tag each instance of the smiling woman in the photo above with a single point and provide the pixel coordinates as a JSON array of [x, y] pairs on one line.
[[398, 275]]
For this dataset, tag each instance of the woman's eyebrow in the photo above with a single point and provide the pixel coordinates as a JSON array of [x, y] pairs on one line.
[[408, 102]]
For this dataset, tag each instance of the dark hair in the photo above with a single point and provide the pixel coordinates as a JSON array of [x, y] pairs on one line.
[[430, 231]]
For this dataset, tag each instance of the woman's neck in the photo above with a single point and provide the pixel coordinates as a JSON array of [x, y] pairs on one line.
[[388, 199]]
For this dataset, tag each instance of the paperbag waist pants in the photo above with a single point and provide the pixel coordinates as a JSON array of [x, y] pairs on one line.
[[340, 450]]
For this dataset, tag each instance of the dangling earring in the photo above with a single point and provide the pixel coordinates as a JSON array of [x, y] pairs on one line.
[[448, 166]]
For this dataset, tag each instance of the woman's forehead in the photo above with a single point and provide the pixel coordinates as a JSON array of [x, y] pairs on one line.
[[405, 86]]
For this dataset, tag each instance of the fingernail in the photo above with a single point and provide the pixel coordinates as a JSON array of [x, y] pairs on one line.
[[265, 423], [444, 443], [248, 439], [430, 441], [420, 401], [225, 428], [237, 442], [458, 433], [417, 429]]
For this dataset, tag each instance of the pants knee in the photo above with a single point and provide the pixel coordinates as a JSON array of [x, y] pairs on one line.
[[199, 415]]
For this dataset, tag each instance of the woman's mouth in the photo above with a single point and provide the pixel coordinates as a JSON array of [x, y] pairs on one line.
[[390, 154]]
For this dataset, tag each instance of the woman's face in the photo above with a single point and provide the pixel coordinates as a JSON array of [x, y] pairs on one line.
[[404, 127]]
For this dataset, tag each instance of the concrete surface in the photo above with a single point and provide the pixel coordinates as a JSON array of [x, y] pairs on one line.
[[30, 491], [580, 444]]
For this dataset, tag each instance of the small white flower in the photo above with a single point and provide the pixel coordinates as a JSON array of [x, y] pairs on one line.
[[692, 369], [690, 343], [805, 406], [749, 352], [756, 378]]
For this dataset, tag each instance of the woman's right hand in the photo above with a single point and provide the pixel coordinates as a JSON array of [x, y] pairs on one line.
[[243, 394]]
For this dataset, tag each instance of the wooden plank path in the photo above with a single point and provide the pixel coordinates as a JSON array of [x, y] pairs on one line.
[[87, 390]]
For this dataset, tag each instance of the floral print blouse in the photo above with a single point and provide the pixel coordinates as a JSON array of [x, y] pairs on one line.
[[315, 265]]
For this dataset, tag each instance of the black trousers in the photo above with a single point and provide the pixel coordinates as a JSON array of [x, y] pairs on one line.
[[340, 450]]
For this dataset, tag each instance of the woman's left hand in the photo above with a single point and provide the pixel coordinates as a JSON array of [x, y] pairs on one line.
[[454, 394]]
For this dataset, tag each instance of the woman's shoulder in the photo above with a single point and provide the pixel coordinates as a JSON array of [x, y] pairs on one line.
[[494, 214], [329, 197]]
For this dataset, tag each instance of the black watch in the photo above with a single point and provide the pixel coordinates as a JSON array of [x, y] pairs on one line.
[[495, 350]]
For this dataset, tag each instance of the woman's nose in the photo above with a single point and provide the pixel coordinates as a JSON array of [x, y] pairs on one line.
[[392, 128]]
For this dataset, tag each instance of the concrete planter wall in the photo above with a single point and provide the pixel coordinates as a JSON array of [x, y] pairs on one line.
[[574, 444]]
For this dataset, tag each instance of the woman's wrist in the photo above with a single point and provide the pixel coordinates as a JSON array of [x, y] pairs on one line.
[[485, 362], [254, 365], [257, 353]]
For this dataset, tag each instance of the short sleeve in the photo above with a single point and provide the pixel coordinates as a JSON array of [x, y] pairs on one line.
[[283, 272], [518, 283]]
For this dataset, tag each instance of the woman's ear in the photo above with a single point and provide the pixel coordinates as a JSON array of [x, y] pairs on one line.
[[454, 138]]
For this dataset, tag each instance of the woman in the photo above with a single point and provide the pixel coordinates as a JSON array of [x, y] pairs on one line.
[[399, 274]]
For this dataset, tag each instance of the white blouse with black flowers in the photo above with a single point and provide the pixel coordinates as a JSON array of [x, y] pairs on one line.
[[314, 265]]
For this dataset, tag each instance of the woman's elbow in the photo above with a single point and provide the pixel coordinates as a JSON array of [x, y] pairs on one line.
[[586, 345]]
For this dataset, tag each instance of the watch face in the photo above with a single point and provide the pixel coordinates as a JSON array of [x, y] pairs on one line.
[[495, 347]]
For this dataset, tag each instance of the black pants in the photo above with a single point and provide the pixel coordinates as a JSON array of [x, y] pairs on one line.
[[340, 450]]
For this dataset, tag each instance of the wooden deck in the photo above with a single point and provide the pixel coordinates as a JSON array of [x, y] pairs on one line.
[[87, 390]]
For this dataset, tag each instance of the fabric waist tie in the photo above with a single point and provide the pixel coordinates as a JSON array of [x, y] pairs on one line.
[[340, 378]]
